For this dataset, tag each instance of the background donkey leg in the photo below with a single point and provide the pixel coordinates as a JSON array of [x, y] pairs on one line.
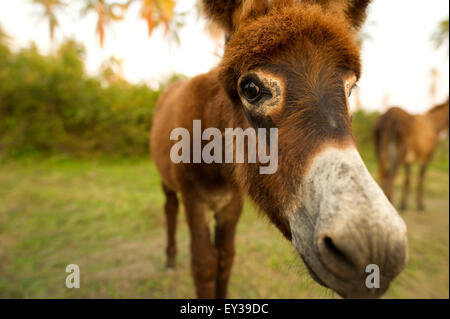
[[389, 181], [404, 202], [203, 253], [171, 211], [423, 169], [225, 231]]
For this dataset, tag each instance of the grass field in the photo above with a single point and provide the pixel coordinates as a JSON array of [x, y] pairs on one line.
[[106, 216]]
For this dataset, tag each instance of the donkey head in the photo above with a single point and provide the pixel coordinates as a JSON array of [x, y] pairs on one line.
[[292, 65]]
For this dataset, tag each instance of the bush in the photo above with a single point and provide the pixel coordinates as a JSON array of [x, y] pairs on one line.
[[49, 104], [363, 123]]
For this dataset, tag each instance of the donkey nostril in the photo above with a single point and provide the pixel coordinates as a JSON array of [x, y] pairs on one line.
[[330, 245], [337, 256], [336, 251]]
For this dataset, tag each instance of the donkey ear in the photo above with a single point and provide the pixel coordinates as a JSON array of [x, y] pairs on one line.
[[355, 10], [229, 13], [221, 12]]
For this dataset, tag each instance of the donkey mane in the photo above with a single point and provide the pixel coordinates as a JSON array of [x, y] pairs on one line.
[[439, 107]]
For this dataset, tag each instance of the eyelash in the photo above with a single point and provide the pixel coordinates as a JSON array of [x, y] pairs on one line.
[[355, 86]]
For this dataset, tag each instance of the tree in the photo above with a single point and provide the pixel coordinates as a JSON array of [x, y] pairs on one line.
[[162, 13], [111, 71], [434, 76], [50, 7], [4, 38], [154, 12], [440, 36], [106, 13]]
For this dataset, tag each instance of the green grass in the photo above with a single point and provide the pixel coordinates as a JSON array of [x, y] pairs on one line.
[[106, 216]]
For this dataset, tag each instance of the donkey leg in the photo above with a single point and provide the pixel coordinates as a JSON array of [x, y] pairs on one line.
[[387, 187], [226, 222], [389, 182], [404, 202], [203, 253], [171, 210], [420, 205]]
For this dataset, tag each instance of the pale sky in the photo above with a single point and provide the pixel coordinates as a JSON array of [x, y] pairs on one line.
[[396, 62]]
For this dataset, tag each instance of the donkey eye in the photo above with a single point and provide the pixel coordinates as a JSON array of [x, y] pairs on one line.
[[350, 89], [251, 91]]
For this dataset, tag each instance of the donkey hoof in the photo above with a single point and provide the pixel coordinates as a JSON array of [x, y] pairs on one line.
[[170, 270], [170, 267]]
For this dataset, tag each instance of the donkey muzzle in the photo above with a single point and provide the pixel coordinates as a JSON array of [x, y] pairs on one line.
[[346, 230]]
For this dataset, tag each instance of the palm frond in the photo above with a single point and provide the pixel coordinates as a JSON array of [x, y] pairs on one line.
[[440, 36], [50, 7]]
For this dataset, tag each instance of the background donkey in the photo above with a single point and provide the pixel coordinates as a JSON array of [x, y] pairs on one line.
[[404, 139], [289, 65]]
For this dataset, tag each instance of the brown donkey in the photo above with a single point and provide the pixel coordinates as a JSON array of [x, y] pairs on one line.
[[288, 65], [404, 139]]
